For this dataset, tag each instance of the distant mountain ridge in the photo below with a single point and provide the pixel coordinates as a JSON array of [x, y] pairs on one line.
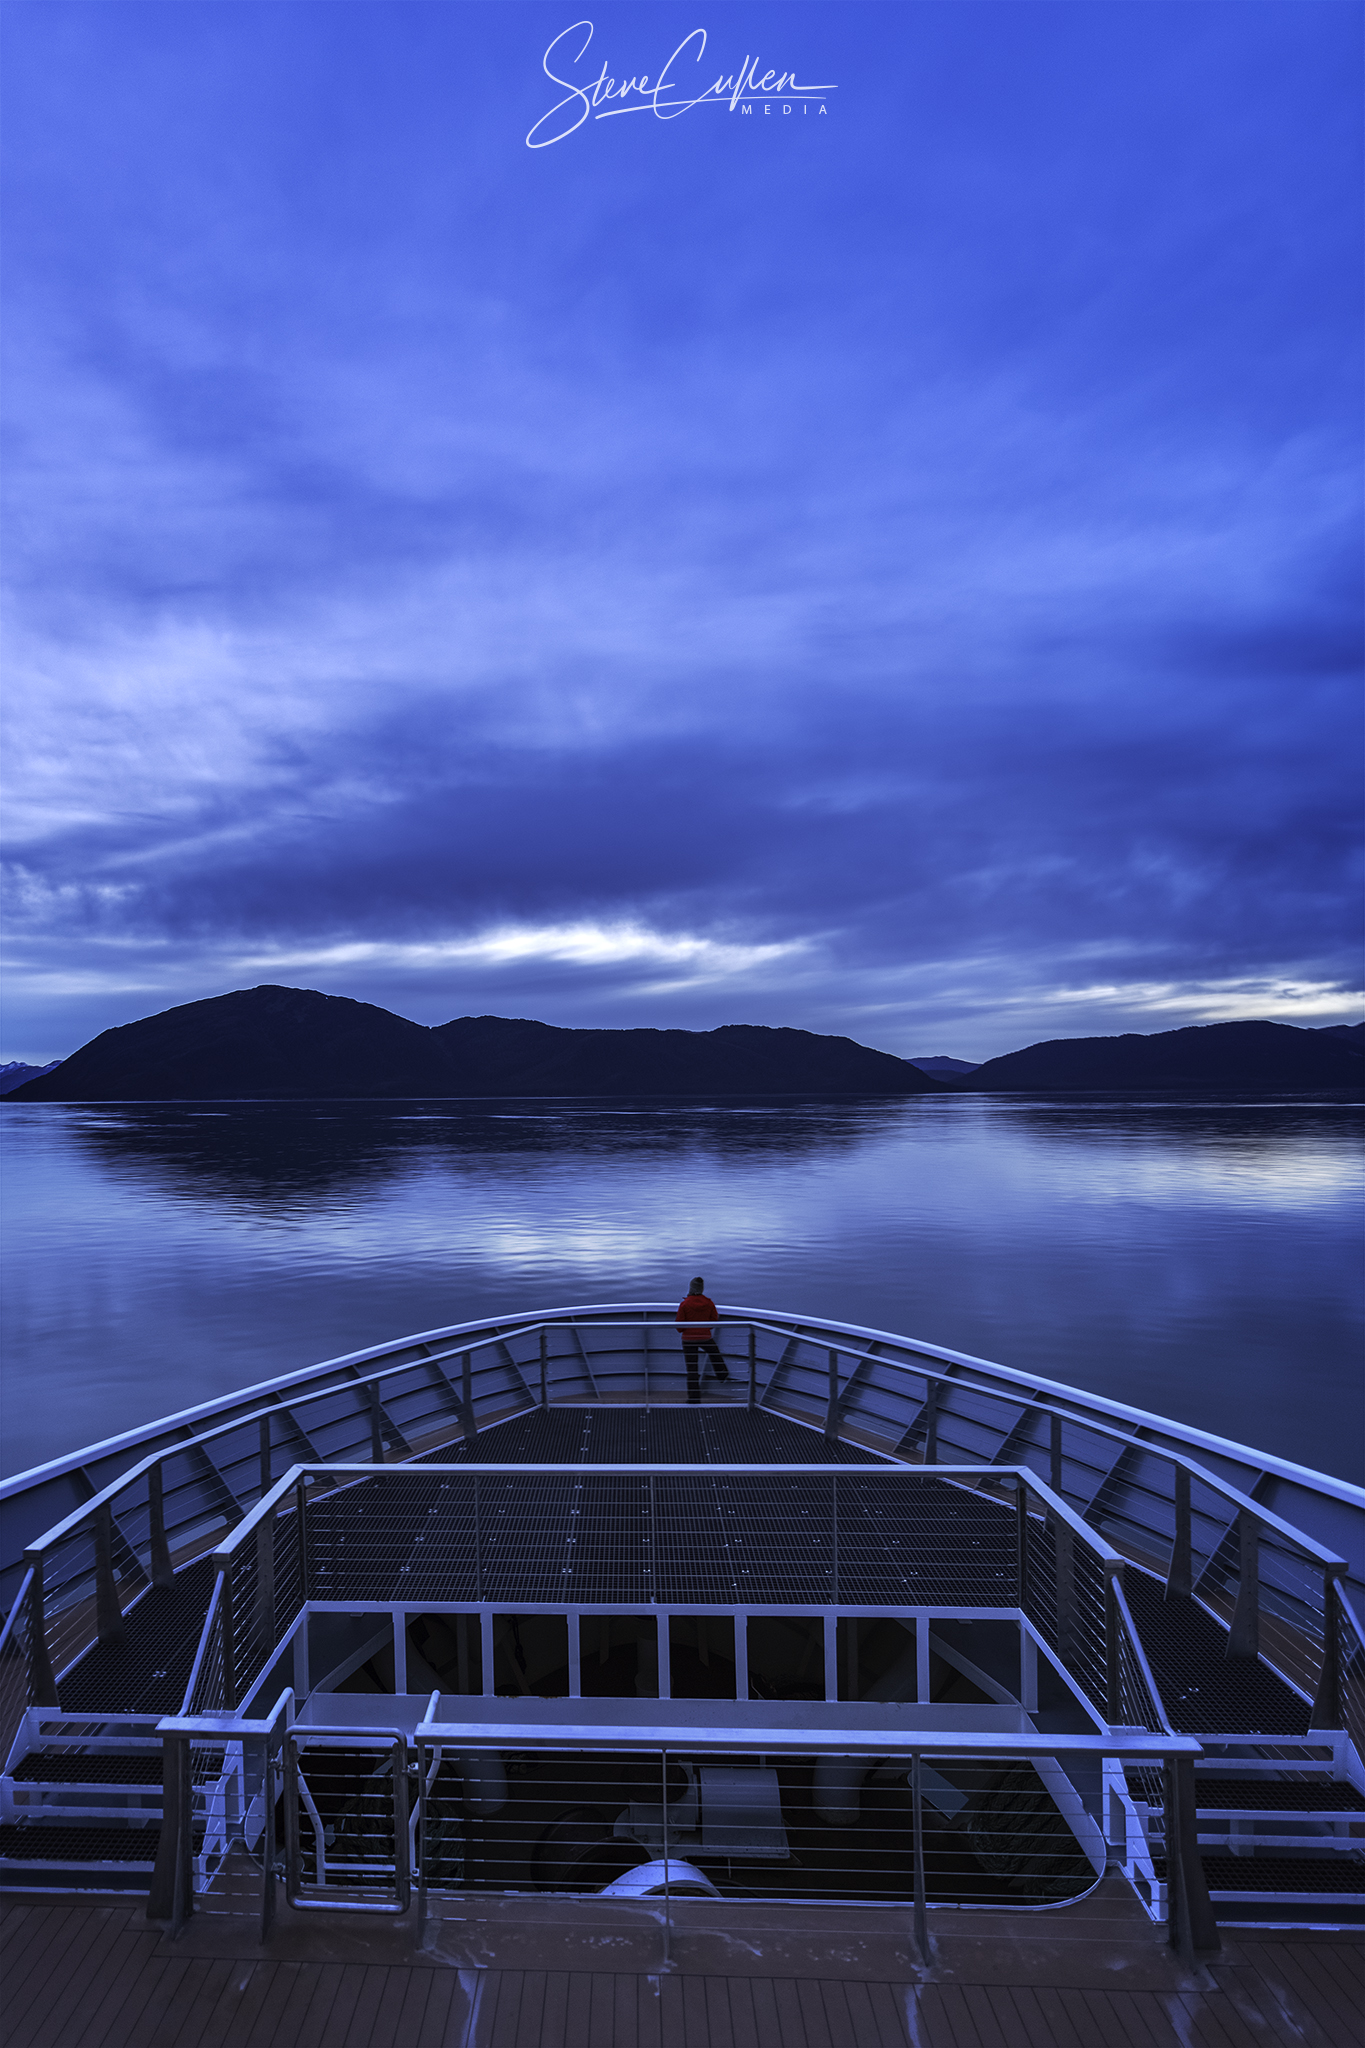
[[280, 1044], [14, 1073], [1228, 1056]]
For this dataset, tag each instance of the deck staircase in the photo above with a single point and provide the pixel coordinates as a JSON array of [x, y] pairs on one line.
[[80, 1795], [80, 1802], [1280, 1808]]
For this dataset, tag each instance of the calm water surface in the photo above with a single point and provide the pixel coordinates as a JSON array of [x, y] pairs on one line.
[[1198, 1258]]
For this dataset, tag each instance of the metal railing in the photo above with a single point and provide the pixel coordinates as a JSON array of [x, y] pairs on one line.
[[372, 1819], [207, 1807], [1154, 1501], [1343, 1690], [410, 1536]]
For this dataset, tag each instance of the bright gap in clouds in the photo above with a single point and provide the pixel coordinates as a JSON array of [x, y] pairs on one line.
[[574, 945]]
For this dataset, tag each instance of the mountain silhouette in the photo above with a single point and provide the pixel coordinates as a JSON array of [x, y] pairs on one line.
[[264, 1044], [1228, 1056]]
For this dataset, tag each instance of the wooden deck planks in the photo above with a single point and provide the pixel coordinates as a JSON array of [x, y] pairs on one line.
[[444, 1996], [1257, 2000], [284, 2008], [886, 2003], [1312, 1990], [602, 2006], [87, 1948], [1057, 2021], [116, 2022], [252, 2010], [993, 2018], [578, 2007], [696, 2020], [364, 2012], [243, 2007], [791, 2018], [637, 2006], [176, 2010], [1343, 1969], [1033, 2027], [32, 1936], [400, 2008], [531, 2009], [555, 2006], [102, 1982], [1217, 2022], [97, 1977], [25, 1960], [142, 2014], [1132, 2020], [183, 2023], [309, 2011]]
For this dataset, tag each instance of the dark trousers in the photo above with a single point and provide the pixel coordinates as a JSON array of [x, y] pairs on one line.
[[691, 1346]]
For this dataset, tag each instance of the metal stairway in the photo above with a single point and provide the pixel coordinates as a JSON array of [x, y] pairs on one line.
[[81, 1792], [80, 1802], [1281, 1824]]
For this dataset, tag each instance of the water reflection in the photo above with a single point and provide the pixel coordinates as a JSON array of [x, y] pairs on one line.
[[1196, 1257], [276, 1154]]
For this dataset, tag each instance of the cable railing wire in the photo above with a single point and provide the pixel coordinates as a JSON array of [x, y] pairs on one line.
[[437, 1397]]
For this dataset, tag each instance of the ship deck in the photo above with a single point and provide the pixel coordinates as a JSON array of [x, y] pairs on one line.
[[96, 1976], [934, 1511]]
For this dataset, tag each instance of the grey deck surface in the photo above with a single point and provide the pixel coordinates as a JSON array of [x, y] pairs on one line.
[[85, 1976], [717, 1432], [856, 1538]]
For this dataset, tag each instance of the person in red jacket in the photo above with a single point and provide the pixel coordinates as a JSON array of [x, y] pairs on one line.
[[697, 1316]]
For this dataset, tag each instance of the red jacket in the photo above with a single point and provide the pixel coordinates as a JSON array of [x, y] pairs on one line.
[[689, 1313]]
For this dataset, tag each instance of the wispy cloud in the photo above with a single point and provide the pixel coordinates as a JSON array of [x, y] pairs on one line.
[[907, 584]]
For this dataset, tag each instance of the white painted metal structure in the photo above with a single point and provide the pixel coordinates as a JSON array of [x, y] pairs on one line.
[[1274, 1552]]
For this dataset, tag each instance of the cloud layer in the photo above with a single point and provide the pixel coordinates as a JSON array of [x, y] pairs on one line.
[[896, 576]]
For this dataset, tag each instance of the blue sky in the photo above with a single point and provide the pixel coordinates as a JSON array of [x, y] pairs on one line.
[[894, 571]]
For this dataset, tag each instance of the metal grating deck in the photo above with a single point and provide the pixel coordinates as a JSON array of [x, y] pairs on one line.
[[25, 1842], [1203, 1688], [1276, 1795], [734, 1540], [145, 1669], [90, 1767], [652, 1436]]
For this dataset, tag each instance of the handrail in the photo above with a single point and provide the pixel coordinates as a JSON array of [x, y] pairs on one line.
[[1264, 1515], [756, 1734], [1356, 1626], [205, 1633], [224, 1552], [283, 1705], [1135, 1644], [19, 1608], [918, 1363], [461, 1337], [219, 1724], [1042, 1389], [912, 1474], [108, 1494], [762, 1736]]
